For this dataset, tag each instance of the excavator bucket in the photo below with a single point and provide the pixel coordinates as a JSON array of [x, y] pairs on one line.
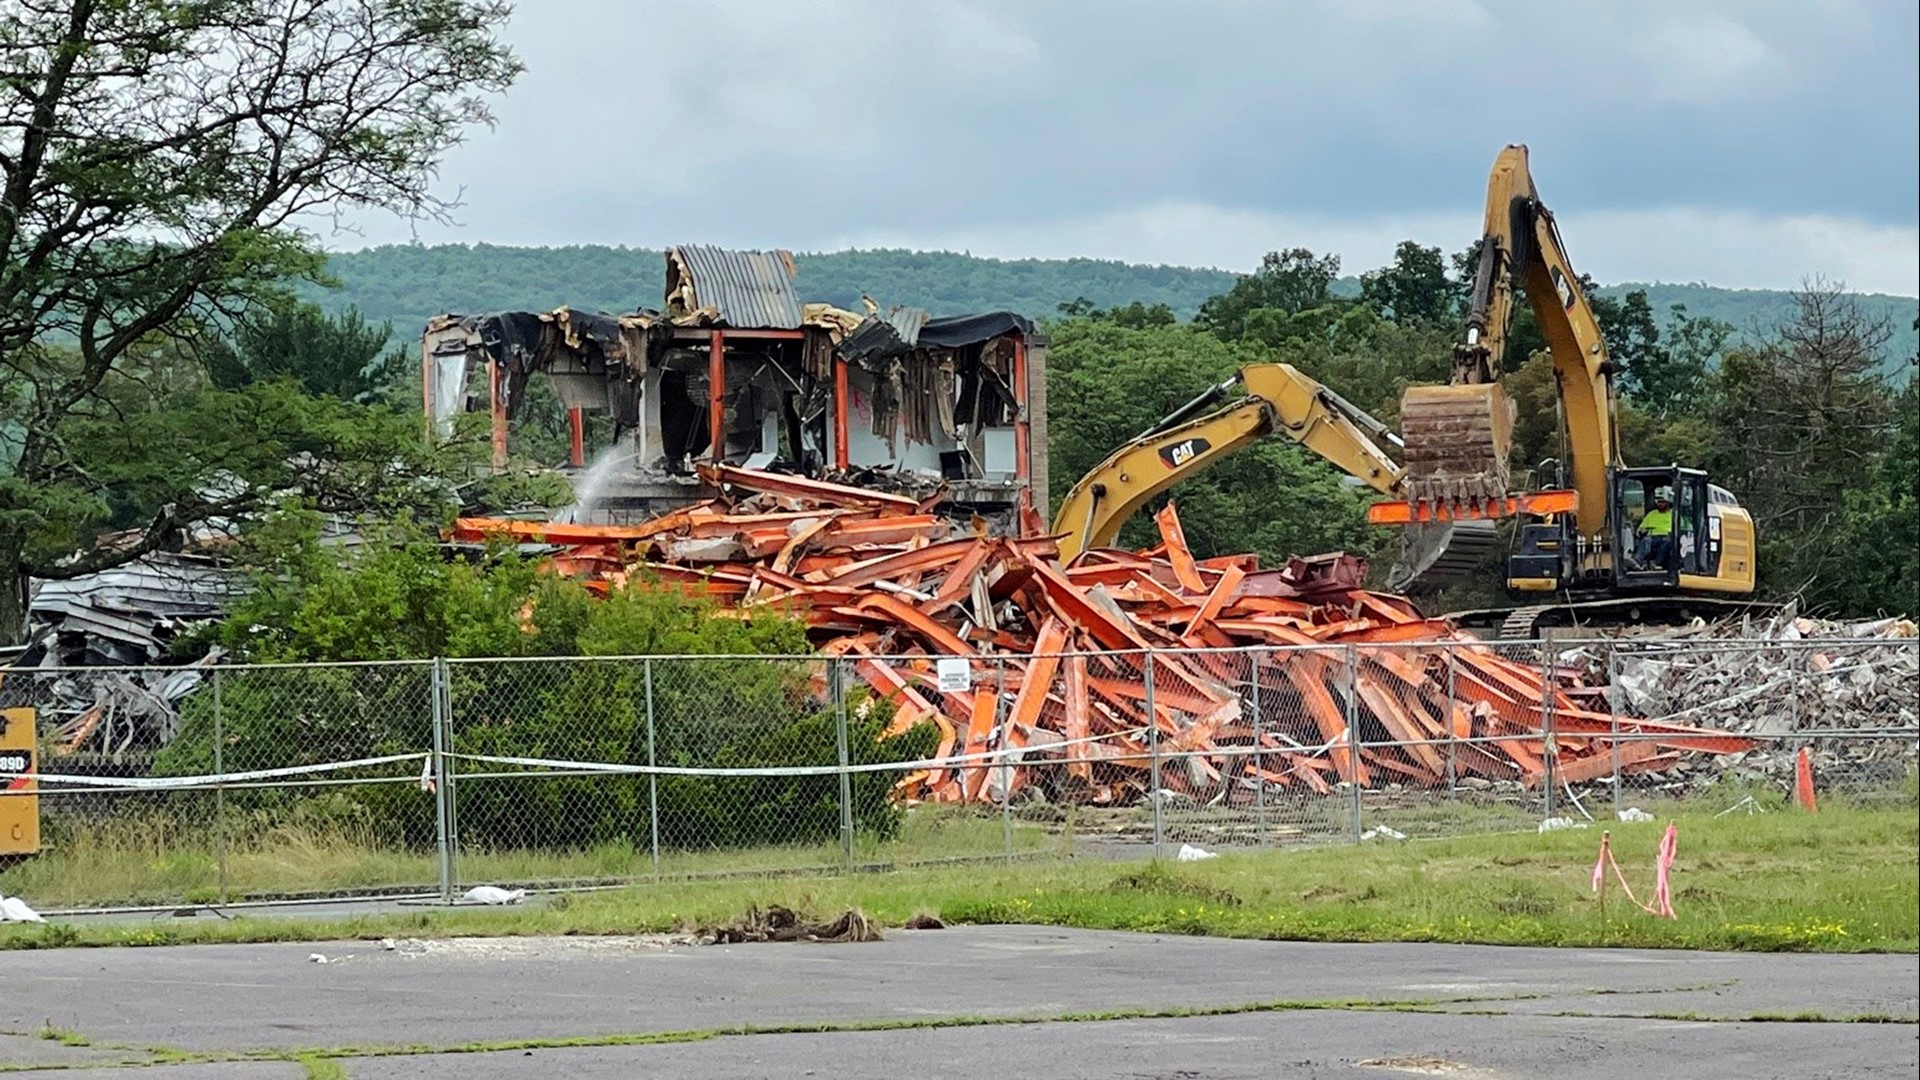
[[1457, 441]]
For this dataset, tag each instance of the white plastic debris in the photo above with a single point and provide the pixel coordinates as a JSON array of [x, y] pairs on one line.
[[1380, 832], [14, 909], [1189, 853], [1634, 813], [1554, 824], [387, 944], [318, 958], [494, 894]]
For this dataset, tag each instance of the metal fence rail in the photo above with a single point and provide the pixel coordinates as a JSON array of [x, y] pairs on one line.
[[247, 783]]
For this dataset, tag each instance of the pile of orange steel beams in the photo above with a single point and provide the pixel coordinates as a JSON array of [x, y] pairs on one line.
[[1081, 678]]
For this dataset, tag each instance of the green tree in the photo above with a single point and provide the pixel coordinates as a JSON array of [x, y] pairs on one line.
[[329, 355], [1805, 421], [1289, 282], [1413, 288], [162, 163], [741, 698]]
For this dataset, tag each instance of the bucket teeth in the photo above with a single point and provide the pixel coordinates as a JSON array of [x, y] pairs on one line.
[[1457, 442]]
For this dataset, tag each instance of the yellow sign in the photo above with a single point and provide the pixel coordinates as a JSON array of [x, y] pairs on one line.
[[19, 797]]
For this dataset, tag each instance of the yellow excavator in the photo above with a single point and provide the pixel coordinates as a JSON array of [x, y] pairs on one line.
[[1591, 545], [1272, 399], [1616, 544]]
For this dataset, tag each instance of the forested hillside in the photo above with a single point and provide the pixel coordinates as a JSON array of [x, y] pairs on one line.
[[408, 284]]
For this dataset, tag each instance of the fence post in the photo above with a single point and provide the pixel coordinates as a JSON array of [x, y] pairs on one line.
[[220, 786], [1153, 760], [1353, 734], [1548, 749], [1259, 759], [1453, 743], [442, 788], [1613, 719], [846, 778], [653, 778], [1006, 772]]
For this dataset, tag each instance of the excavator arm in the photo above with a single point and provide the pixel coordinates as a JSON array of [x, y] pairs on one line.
[[1458, 436], [1278, 399]]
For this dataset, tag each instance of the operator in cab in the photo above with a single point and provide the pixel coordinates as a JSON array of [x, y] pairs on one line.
[[1656, 533]]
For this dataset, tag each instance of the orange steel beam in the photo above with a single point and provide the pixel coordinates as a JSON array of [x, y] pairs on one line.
[[1079, 724], [959, 582], [905, 614], [1021, 436], [1539, 502], [986, 709], [1178, 554], [800, 487], [497, 416], [841, 400], [893, 564], [717, 395]]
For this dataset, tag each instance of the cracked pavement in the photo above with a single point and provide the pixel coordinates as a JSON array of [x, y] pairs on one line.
[[1438, 1010]]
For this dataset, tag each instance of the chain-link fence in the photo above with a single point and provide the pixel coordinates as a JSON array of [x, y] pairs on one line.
[[240, 784]]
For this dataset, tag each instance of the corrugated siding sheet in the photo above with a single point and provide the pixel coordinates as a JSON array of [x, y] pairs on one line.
[[897, 333], [750, 289]]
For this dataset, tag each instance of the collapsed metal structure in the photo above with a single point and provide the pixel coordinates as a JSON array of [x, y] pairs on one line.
[[1077, 676]]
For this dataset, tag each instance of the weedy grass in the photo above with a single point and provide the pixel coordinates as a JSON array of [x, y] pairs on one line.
[[165, 857], [1843, 880]]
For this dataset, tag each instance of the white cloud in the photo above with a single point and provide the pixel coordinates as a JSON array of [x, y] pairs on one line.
[[1735, 249], [1701, 60]]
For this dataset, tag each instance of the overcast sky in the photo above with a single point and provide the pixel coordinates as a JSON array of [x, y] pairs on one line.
[[1746, 143]]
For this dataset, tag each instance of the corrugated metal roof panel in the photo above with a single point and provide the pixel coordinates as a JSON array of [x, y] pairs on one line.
[[750, 289], [898, 332]]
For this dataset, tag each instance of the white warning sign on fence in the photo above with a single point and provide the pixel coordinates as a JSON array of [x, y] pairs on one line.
[[956, 674]]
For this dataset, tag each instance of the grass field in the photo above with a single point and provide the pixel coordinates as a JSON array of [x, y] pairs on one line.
[[1844, 880]]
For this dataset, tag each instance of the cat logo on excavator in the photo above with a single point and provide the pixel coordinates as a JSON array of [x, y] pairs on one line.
[[1183, 451]]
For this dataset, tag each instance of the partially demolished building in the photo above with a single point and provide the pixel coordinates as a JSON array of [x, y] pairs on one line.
[[734, 369]]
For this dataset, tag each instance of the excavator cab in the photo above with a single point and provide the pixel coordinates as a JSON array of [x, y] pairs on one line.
[[1663, 526]]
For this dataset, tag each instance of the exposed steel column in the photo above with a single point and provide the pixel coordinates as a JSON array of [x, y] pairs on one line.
[[577, 433], [497, 406], [717, 395], [1020, 470], [840, 399]]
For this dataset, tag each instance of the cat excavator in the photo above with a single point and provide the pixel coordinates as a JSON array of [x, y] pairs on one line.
[[1580, 550], [1275, 398], [1596, 550], [1271, 399]]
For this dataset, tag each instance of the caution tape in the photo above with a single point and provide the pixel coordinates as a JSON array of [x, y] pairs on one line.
[[164, 783]]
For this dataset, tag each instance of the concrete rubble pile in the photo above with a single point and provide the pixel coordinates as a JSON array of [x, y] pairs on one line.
[[1051, 673], [1777, 678]]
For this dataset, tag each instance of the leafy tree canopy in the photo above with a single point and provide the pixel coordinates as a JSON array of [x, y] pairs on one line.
[[161, 165]]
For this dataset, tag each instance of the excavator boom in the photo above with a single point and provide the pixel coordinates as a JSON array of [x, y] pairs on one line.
[[1278, 399], [1459, 436]]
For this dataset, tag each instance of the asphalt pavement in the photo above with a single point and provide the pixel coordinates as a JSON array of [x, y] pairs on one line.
[[1300, 1009]]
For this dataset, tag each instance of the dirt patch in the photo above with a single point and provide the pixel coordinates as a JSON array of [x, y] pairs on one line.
[[1157, 879], [1421, 1065], [777, 923], [1335, 893]]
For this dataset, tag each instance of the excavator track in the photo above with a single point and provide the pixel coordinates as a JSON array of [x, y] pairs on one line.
[[1524, 623]]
